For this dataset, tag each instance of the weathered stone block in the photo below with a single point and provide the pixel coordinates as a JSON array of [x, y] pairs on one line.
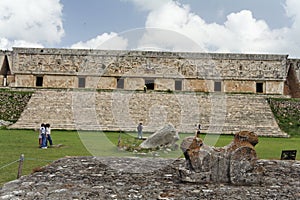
[[1, 80], [59, 81], [167, 136], [234, 163], [134, 83], [239, 86], [25, 81], [197, 85], [164, 84]]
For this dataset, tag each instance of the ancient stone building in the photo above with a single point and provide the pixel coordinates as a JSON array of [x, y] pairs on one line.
[[131, 70], [217, 90]]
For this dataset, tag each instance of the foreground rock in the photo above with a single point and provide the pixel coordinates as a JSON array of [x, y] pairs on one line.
[[5, 123], [167, 136], [234, 163], [144, 178]]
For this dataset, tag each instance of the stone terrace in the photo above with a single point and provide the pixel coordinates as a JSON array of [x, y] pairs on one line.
[[145, 178], [122, 110]]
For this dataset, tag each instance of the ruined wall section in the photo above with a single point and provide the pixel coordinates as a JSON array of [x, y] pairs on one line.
[[296, 66], [121, 177], [114, 111], [2, 56], [293, 78], [6, 79], [198, 71]]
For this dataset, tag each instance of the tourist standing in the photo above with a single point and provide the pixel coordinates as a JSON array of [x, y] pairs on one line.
[[40, 137], [43, 134], [48, 135], [140, 130]]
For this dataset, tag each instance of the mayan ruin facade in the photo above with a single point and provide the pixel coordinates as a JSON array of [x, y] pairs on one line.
[[182, 88], [131, 70]]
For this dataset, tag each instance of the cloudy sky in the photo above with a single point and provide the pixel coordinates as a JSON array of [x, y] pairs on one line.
[[248, 26]]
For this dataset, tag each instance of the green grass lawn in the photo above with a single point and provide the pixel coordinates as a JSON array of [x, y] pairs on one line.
[[13, 143]]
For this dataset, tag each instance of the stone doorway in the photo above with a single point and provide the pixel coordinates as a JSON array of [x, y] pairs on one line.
[[149, 83]]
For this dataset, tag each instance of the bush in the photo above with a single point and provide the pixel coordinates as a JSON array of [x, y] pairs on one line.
[[12, 104], [287, 114]]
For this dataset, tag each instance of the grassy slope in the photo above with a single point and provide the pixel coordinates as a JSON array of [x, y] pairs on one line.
[[287, 113]]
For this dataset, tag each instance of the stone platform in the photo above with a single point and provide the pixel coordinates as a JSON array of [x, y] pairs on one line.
[[123, 110], [144, 178]]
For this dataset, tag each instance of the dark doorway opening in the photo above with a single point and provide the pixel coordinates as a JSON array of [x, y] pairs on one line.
[[39, 81], [4, 71], [81, 82], [178, 85], [149, 83], [217, 86], [120, 83], [259, 87]]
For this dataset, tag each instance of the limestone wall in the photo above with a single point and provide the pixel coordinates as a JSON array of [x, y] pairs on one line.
[[10, 80], [134, 83], [243, 70], [1, 80], [296, 66], [157, 64], [120, 110], [292, 85], [59, 81], [198, 85], [25, 80], [2, 56], [102, 82]]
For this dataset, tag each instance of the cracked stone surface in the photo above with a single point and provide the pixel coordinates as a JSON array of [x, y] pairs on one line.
[[144, 178]]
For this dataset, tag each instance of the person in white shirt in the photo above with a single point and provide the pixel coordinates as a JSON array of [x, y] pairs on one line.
[[43, 134], [48, 135], [140, 130]]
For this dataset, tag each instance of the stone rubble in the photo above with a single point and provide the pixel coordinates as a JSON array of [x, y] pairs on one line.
[[5, 123], [144, 178]]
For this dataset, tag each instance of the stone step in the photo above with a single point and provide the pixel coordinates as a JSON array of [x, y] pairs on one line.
[[110, 111]]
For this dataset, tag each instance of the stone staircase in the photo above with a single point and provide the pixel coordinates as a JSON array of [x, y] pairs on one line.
[[123, 110]]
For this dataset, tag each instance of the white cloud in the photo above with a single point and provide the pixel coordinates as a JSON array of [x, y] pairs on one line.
[[174, 27], [35, 23], [246, 34], [165, 40], [105, 41], [292, 34], [292, 8], [241, 33], [6, 44], [31, 21], [174, 17], [148, 4]]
